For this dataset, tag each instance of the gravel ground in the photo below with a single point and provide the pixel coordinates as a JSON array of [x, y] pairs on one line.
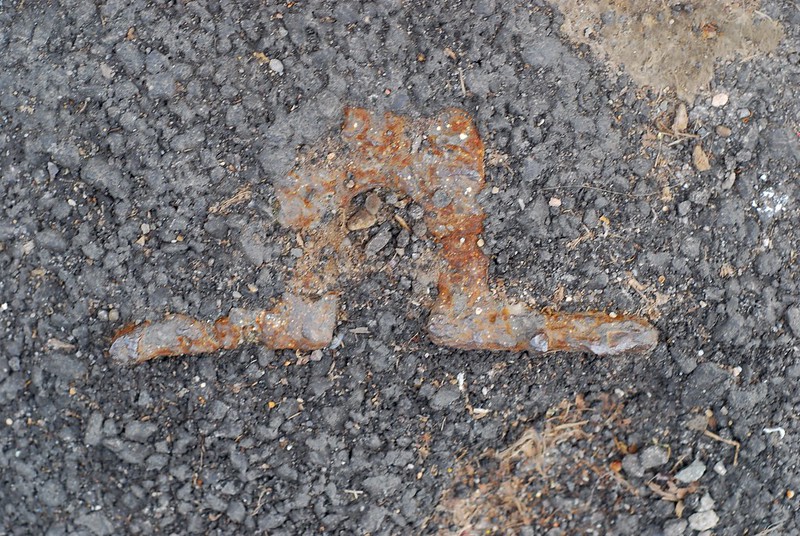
[[138, 145]]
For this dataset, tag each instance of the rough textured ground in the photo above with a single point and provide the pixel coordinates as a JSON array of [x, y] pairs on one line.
[[138, 145]]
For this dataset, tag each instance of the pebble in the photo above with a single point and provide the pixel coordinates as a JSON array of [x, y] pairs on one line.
[[140, 431], [236, 511], [723, 131], [444, 397], [719, 100], [382, 485], [97, 172], [633, 465], [362, 219], [373, 203], [276, 65], [692, 472], [653, 456], [793, 319], [727, 184], [52, 240], [52, 170], [703, 520], [97, 523], [378, 242], [64, 366], [161, 86], [706, 503], [675, 527], [94, 429], [52, 493], [554, 202]]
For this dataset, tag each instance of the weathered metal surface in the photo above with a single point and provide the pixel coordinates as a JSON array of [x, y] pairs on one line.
[[437, 162], [294, 323]]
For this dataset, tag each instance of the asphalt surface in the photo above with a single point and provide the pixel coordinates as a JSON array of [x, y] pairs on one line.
[[139, 143]]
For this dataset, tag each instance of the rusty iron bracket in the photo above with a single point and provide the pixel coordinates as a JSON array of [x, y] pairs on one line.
[[437, 162]]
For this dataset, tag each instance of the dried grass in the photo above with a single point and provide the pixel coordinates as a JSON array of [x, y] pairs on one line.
[[501, 491]]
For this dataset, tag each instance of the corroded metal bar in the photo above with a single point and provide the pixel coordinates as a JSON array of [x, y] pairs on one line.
[[294, 323], [437, 162]]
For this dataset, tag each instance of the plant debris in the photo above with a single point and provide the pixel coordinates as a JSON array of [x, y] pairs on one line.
[[502, 491]]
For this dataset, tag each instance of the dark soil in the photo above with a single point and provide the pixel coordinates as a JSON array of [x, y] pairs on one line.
[[138, 147]]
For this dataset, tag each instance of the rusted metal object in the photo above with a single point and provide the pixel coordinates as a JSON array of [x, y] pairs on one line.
[[294, 323], [437, 162]]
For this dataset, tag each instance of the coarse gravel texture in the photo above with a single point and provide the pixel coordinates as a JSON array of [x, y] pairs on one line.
[[125, 127]]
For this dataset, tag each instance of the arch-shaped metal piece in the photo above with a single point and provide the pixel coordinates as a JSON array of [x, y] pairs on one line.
[[439, 163]]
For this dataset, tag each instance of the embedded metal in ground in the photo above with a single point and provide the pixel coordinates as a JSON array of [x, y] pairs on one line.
[[439, 163]]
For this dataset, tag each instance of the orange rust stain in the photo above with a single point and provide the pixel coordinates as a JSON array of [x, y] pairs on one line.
[[439, 163]]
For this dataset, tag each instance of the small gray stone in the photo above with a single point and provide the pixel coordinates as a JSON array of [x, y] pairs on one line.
[[653, 456], [161, 86], [52, 493], [720, 468], [216, 227], [374, 519], [52, 240], [692, 472], [703, 520], [271, 521], [444, 397], [215, 502], [236, 511], [252, 245], [768, 264], [381, 358], [382, 485], [217, 410], [379, 241], [97, 523], [598, 282], [793, 319], [188, 140], [276, 65], [744, 400], [641, 166], [140, 431], [94, 429], [128, 451], [706, 503], [156, 462], [97, 172], [334, 416], [632, 465], [64, 367], [675, 527]]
